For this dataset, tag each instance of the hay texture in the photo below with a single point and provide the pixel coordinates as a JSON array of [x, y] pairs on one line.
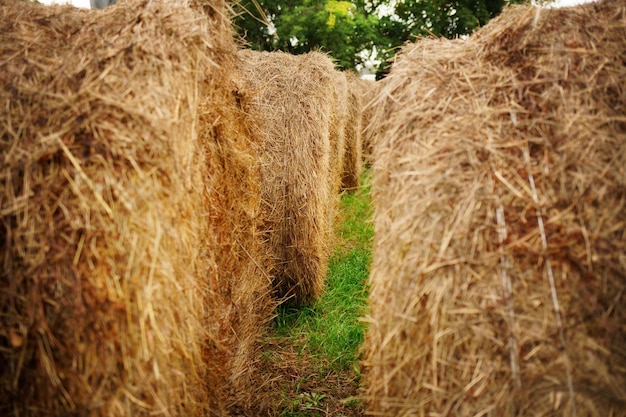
[[500, 249], [113, 282], [338, 130], [369, 130], [290, 100], [239, 303], [353, 157]]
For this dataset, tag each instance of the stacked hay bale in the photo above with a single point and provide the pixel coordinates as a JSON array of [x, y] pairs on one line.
[[369, 131], [291, 102], [352, 160], [118, 182], [239, 304], [338, 129], [498, 282]]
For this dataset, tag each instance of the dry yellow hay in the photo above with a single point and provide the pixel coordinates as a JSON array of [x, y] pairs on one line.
[[338, 126], [239, 303], [369, 130], [352, 159], [119, 221], [290, 102], [498, 281]]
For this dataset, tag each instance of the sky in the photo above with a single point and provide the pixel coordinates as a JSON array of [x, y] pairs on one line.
[[85, 3]]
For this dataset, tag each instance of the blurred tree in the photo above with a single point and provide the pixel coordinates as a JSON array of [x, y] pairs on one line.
[[342, 28], [352, 30], [444, 18]]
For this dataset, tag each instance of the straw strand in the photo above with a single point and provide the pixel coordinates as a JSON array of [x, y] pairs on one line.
[[555, 300], [508, 296]]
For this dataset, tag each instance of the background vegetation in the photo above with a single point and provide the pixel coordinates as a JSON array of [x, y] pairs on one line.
[[357, 31]]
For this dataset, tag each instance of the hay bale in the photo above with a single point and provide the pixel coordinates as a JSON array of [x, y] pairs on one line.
[[499, 189], [239, 304], [115, 253], [290, 101], [338, 126], [369, 131], [352, 160], [100, 304]]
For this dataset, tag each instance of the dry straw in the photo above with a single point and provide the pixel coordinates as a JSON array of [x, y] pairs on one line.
[[239, 303], [499, 187], [338, 130], [369, 96], [114, 280], [291, 103], [353, 157]]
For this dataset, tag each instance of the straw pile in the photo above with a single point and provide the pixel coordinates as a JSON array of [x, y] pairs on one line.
[[498, 284], [291, 102], [115, 267], [352, 160]]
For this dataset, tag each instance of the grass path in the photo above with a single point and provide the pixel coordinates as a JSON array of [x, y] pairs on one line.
[[310, 361]]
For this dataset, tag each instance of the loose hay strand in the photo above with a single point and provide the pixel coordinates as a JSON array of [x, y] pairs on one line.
[[76, 165], [549, 273], [508, 297]]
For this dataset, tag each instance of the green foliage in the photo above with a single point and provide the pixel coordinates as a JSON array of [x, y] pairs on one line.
[[442, 18], [351, 30], [341, 28]]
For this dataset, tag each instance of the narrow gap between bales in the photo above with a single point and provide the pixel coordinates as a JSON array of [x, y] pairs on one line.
[[311, 357]]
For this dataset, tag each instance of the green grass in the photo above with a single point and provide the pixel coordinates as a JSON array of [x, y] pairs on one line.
[[314, 351], [330, 331]]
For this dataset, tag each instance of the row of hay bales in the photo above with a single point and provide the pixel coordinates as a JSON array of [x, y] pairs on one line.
[[295, 100], [306, 118], [499, 272], [153, 199]]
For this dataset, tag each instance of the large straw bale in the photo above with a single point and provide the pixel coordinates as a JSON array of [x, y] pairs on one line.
[[499, 273], [369, 130], [353, 157], [116, 224], [290, 101], [240, 300], [338, 126]]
